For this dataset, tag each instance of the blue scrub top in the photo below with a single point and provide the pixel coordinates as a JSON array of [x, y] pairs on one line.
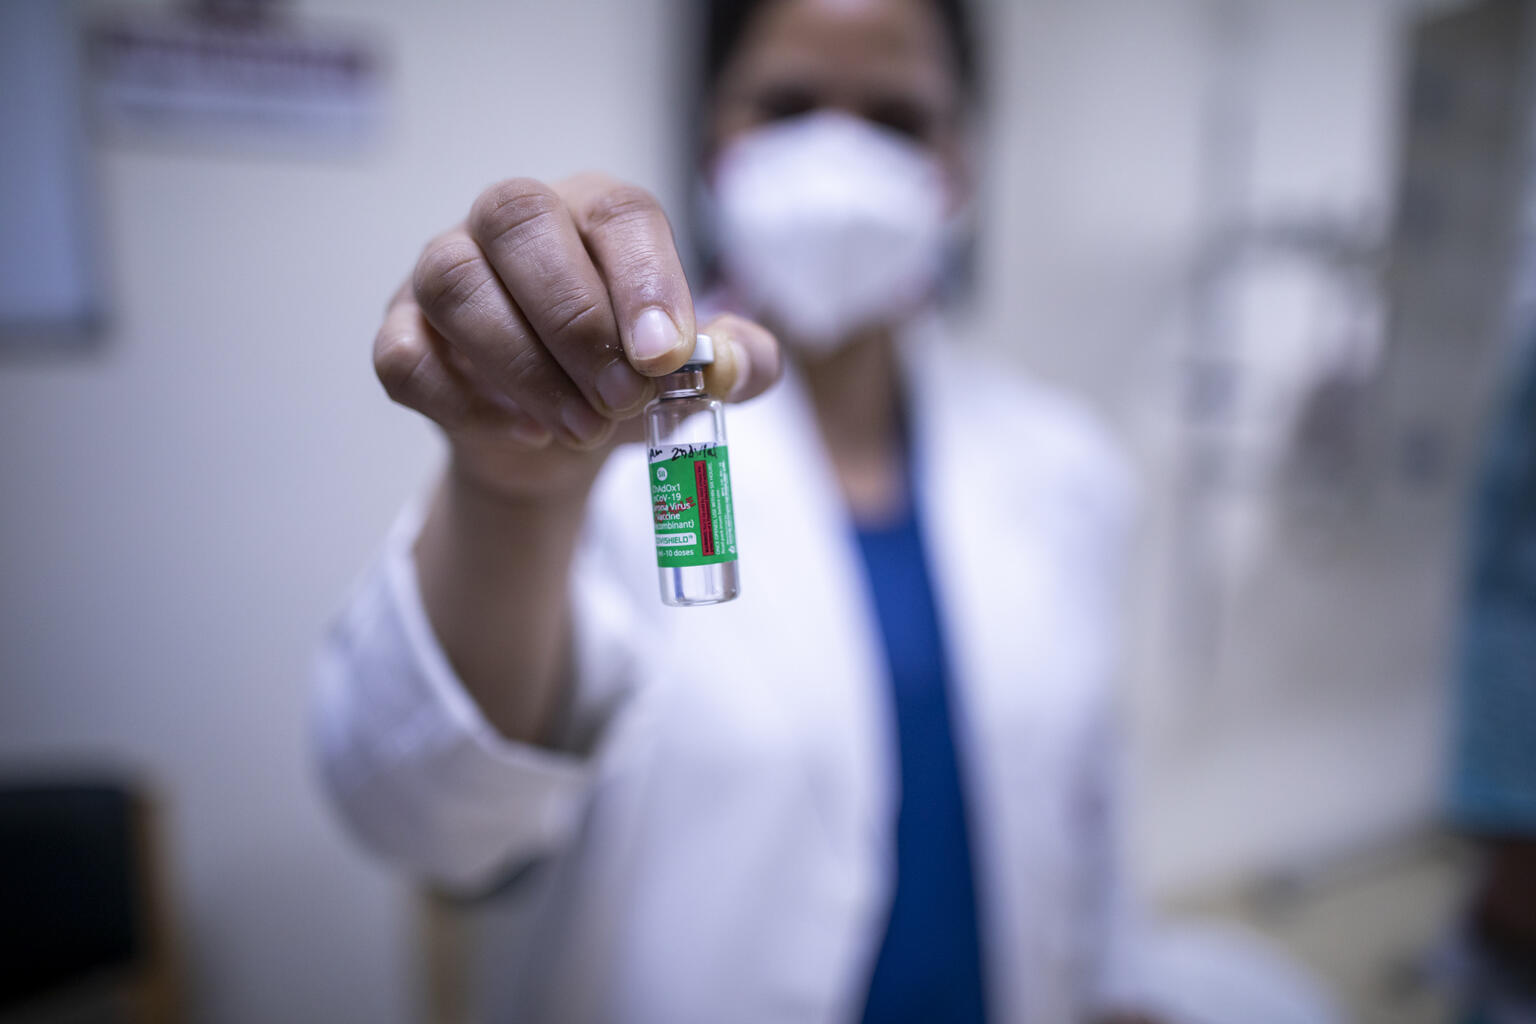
[[1493, 777], [929, 967]]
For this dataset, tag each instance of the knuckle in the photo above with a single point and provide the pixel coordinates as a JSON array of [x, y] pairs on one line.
[[624, 204], [399, 364], [512, 207], [637, 264], [524, 373], [578, 314], [448, 275]]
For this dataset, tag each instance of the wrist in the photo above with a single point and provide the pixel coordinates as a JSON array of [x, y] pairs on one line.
[[481, 482]]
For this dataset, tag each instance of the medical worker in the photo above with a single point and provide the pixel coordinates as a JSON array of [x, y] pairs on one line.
[[878, 785], [1493, 764]]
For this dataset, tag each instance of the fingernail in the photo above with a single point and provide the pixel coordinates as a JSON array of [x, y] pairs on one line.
[[583, 422], [655, 334], [620, 387], [739, 361], [530, 432]]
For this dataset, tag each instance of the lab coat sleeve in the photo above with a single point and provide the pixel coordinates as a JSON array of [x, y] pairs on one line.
[[1077, 462], [1110, 918], [415, 769], [1112, 926], [1111, 931], [1178, 973]]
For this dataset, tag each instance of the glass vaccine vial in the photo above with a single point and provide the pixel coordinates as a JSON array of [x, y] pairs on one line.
[[691, 486]]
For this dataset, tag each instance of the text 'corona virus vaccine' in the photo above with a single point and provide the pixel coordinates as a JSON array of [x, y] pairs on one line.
[[691, 486]]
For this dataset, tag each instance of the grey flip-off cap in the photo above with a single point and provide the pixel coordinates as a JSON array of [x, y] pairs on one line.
[[703, 351]]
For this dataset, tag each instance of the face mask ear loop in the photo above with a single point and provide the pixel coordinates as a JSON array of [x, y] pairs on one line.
[[961, 254]]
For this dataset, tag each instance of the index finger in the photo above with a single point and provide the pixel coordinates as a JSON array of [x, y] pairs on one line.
[[630, 240], [747, 358]]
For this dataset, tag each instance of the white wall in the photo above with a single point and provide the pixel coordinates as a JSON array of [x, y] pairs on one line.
[[184, 507]]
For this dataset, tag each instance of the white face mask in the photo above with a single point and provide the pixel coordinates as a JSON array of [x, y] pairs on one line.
[[826, 224]]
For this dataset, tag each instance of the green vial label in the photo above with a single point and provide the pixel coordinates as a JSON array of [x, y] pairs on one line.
[[691, 500]]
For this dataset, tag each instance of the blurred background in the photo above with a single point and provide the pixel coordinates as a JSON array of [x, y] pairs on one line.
[[1277, 243]]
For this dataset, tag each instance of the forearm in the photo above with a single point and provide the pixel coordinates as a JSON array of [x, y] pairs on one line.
[[495, 580]]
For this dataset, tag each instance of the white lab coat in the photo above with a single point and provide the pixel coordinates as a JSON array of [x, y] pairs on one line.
[[716, 840]]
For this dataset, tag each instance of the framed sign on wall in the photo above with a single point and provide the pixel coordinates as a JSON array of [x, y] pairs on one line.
[[51, 285]]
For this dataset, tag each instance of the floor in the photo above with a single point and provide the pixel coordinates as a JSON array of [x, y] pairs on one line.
[[1370, 927]]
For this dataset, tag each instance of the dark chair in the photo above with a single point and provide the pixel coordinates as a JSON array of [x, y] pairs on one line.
[[83, 927]]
